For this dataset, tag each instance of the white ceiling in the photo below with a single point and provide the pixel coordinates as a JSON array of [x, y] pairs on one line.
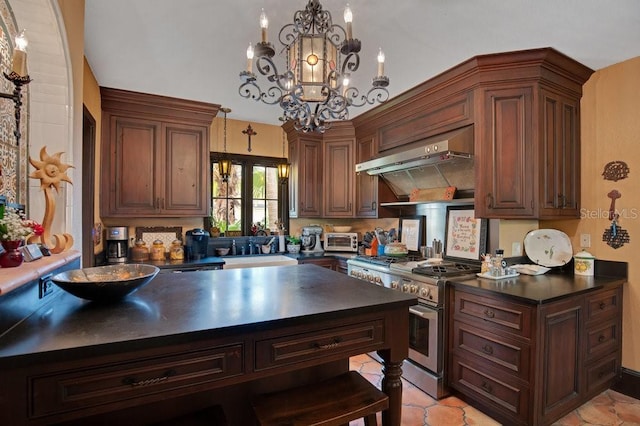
[[195, 49]]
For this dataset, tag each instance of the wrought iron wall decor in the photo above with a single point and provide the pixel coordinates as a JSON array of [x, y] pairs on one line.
[[320, 58], [615, 236], [615, 171]]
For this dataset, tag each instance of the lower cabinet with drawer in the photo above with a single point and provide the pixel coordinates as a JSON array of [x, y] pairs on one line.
[[531, 364], [135, 381]]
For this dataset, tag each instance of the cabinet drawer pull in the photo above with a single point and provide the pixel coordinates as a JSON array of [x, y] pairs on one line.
[[489, 200], [487, 387], [487, 349], [373, 205], [602, 305], [601, 338], [489, 313], [131, 380], [335, 344]]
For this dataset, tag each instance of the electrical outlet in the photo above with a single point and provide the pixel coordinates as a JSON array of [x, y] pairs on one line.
[[585, 240], [516, 249], [45, 286]]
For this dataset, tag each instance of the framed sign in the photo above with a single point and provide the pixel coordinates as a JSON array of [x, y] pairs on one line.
[[412, 232], [466, 236]]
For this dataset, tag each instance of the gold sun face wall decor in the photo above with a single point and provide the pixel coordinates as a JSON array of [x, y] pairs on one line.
[[51, 172]]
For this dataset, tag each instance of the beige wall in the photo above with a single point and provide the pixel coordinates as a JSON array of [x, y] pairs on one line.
[[610, 131]]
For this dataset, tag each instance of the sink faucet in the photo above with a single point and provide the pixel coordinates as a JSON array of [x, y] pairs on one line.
[[250, 245]]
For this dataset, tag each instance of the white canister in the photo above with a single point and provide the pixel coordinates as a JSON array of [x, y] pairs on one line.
[[583, 263]]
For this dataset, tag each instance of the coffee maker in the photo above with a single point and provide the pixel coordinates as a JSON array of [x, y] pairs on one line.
[[117, 244], [196, 244], [310, 240]]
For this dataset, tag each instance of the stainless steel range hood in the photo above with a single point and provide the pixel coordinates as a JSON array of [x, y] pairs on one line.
[[440, 161]]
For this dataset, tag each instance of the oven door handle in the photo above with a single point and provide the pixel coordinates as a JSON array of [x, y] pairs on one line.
[[423, 312]]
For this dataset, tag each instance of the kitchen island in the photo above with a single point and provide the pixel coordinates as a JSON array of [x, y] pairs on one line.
[[185, 339]]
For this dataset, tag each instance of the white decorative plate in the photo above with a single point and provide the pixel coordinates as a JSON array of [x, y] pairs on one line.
[[548, 247]]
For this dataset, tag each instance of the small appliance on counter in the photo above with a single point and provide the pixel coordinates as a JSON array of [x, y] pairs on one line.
[[117, 244], [311, 239], [196, 244], [341, 241]]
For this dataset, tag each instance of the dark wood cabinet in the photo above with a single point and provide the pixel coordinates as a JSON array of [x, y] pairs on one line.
[[305, 179], [504, 176], [366, 184], [339, 171], [325, 262], [531, 364], [528, 140], [341, 265], [525, 108], [155, 155]]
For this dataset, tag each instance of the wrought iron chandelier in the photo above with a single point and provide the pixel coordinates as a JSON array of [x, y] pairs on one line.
[[320, 59]]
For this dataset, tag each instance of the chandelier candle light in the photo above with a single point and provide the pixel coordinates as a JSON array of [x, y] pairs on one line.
[[320, 58], [19, 77]]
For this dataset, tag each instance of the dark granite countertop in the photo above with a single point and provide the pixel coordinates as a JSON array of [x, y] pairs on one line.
[[538, 289], [173, 307]]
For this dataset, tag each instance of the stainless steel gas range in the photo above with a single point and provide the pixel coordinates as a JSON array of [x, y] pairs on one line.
[[425, 367]]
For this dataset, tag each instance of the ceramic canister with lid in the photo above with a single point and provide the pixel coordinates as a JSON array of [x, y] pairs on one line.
[[583, 263], [157, 250]]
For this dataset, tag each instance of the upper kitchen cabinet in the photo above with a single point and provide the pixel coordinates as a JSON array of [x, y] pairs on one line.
[[339, 171], [305, 178], [528, 147], [155, 153], [525, 110]]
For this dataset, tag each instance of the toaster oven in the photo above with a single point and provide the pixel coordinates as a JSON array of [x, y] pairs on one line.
[[341, 241]]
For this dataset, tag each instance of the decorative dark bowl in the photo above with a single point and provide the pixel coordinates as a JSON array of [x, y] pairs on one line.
[[105, 283]]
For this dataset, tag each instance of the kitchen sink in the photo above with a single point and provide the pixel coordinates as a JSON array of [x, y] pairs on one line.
[[236, 262]]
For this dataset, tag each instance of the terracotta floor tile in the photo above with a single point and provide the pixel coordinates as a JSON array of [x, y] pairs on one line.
[[419, 409], [628, 413], [442, 415], [475, 417]]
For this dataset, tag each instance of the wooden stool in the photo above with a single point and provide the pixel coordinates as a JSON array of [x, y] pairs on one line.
[[332, 402]]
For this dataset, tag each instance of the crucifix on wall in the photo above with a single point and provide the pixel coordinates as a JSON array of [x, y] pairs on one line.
[[249, 132]]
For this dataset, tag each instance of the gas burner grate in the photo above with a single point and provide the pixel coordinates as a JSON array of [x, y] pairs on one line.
[[446, 270], [387, 260]]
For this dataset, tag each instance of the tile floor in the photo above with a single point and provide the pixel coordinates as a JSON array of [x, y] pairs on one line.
[[418, 408]]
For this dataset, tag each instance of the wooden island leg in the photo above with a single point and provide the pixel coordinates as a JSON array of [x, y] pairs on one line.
[[392, 386]]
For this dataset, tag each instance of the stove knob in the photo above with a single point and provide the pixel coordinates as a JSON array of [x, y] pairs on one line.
[[360, 274], [377, 279], [370, 277], [425, 292], [354, 274], [405, 288], [414, 289], [394, 285]]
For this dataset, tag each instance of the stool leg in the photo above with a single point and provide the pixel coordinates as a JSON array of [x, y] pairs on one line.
[[371, 420]]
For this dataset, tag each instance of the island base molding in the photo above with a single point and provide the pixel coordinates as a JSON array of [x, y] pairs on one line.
[[629, 383]]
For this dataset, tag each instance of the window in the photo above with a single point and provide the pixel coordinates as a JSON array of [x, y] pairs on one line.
[[251, 195]]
